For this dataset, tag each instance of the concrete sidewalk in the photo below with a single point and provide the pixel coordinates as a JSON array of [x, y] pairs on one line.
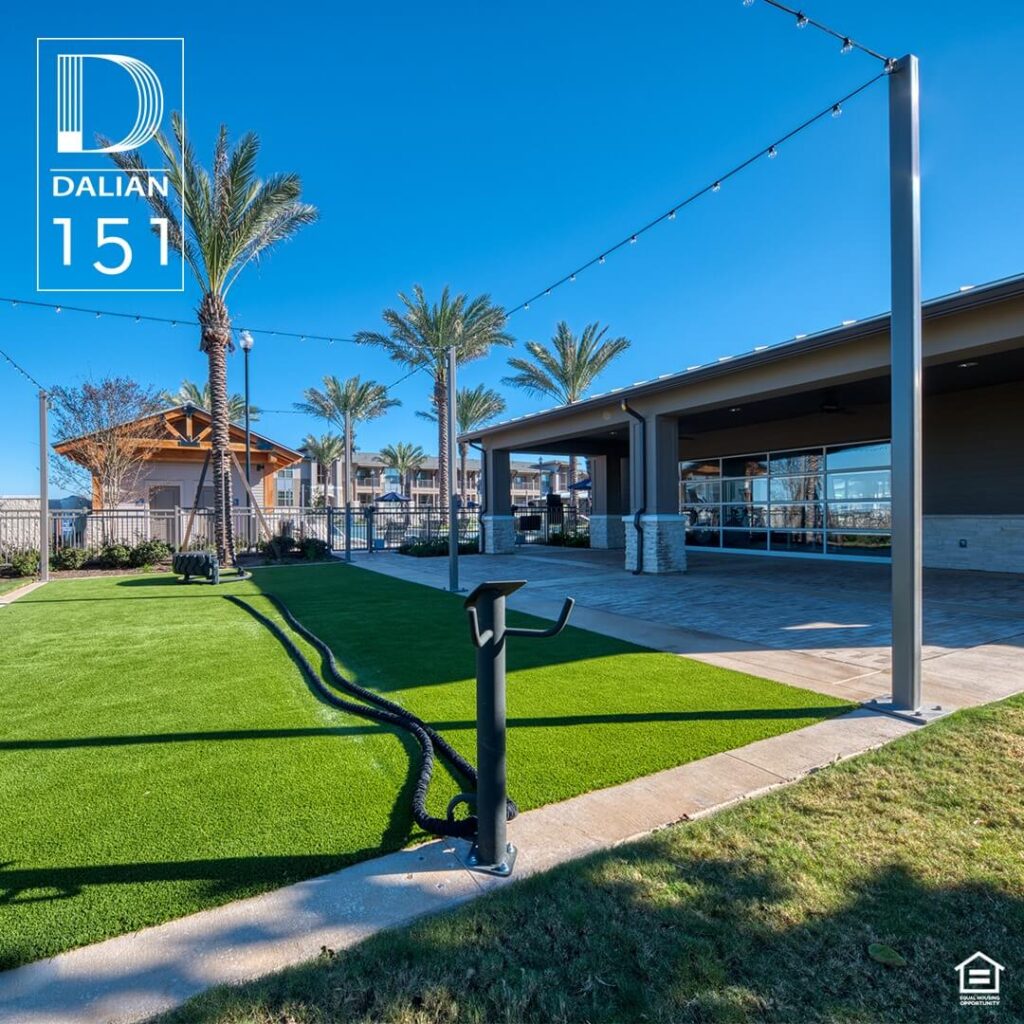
[[132, 977]]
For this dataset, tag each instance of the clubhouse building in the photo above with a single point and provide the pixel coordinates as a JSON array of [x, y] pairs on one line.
[[784, 450]]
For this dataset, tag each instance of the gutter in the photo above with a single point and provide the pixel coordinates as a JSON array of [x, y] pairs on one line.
[[642, 510]]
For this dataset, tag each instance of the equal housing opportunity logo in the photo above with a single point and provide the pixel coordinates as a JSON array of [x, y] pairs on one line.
[[95, 230]]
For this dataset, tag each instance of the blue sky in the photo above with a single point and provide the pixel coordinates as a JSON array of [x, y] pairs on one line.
[[494, 148]]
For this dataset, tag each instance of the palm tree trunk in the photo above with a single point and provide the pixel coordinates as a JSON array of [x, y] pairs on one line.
[[441, 404], [572, 479], [216, 339]]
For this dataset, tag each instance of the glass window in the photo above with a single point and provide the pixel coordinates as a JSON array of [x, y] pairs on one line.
[[795, 488], [859, 456], [808, 461], [703, 515], [807, 541], [755, 540], [745, 515], [863, 486], [860, 515], [699, 469], [748, 489], [745, 465], [700, 491], [877, 545], [797, 516]]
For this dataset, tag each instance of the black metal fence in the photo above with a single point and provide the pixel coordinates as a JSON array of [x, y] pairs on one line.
[[373, 528]]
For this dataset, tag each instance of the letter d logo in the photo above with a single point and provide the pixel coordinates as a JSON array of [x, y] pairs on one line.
[[149, 112]]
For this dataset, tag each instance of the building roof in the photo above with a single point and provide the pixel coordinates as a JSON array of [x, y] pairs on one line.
[[850, 331], [376, 460], [183, 433]]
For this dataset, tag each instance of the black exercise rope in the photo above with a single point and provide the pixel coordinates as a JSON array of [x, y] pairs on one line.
[[385, 711]]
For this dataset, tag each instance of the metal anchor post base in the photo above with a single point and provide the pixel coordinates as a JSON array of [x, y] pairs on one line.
[[503, 868]]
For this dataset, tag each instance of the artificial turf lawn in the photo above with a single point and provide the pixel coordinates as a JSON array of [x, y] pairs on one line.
[[764, 913], [161, 753]]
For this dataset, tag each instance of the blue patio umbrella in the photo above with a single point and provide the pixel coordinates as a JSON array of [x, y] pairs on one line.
[[392, 496], [580, 485]]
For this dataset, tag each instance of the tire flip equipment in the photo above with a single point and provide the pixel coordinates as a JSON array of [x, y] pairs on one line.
[[486, 607]]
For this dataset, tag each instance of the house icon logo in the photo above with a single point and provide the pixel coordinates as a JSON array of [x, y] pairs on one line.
[[979, 980]]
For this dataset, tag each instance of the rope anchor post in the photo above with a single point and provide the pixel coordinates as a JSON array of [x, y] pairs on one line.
[[492, 853]]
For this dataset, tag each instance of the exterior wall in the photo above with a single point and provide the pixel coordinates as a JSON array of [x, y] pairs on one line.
[[608, 531], [664, 543], [985, 543], [185, 475]]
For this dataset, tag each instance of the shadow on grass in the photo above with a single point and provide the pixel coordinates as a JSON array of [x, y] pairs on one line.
[[642, 935]]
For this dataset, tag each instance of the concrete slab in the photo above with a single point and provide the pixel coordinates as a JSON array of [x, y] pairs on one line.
[[12, 595]]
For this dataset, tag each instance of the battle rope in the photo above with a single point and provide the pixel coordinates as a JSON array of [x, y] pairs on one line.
[[380, 710]]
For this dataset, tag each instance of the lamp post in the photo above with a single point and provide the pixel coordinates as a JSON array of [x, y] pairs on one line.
[[246, 341]]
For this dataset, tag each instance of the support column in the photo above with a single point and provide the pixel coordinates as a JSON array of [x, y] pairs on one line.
[[499, 526], [905, 213], [655, 529], [606, 485]]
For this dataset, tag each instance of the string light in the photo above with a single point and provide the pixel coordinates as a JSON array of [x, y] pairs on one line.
[[848, 43], [837, 110], [771, 152], [21, 369]]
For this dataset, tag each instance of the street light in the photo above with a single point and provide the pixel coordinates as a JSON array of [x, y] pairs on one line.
[[246, 341]]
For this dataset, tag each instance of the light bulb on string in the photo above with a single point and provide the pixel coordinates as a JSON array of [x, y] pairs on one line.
[[837, 110], [847, 45], [772, 152], [601, 261], [671, 214], [801, 19], [632, 241], [717, 187], [572, 277]]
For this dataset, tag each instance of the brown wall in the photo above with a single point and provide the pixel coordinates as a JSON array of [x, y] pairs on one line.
[[974, 452]]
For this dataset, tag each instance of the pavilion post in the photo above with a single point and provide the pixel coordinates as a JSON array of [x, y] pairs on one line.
[[44, 490], [450, 483], [905, 225]]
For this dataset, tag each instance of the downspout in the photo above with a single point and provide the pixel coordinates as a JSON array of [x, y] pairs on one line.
[[481, 491], [642, 510]]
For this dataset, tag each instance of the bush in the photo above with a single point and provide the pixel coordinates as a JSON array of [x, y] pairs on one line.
[[24, 563], [114, 556], [66, 559], [148, 552], [314, 550], [277, 547], [436, 547], [569, 540]]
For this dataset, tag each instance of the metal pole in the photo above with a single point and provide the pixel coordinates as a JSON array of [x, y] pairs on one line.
[[492, 837], [248, 456], [44, 491], [453, 509], [348, 458], [905, 215]]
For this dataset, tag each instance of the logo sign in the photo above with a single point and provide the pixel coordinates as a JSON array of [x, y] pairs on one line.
[[98, 228], [979, 979]]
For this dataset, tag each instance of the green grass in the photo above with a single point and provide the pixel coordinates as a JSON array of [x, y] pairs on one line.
[[8, 583], [161, 753], [764, 913]]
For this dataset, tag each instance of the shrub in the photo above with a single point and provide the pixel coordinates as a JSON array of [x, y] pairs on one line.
[[569, 540], [148, 552], [314, 550], [24, 563], [69, 558], [436, 547], [114, 556], [277, 547]]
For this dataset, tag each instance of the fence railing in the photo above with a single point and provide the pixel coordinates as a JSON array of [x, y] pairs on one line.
[[374, 528]]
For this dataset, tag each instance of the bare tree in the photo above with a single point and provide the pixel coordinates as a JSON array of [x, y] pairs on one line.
[[106, 433]]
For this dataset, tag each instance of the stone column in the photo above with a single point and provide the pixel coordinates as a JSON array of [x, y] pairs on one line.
[[606, 487], [662, 527], [499, 527]]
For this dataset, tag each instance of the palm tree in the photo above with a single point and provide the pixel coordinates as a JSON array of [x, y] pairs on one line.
[[406, 458], [324, 452], [231, 218], [474, 407], [345, 404], [421, 334], [190, 393], [565, 370]]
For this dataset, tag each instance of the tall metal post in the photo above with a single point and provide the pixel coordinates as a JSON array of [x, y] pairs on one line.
[[348, 531], [492, 784], [453, 508], [44, 491], [905, 219]]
